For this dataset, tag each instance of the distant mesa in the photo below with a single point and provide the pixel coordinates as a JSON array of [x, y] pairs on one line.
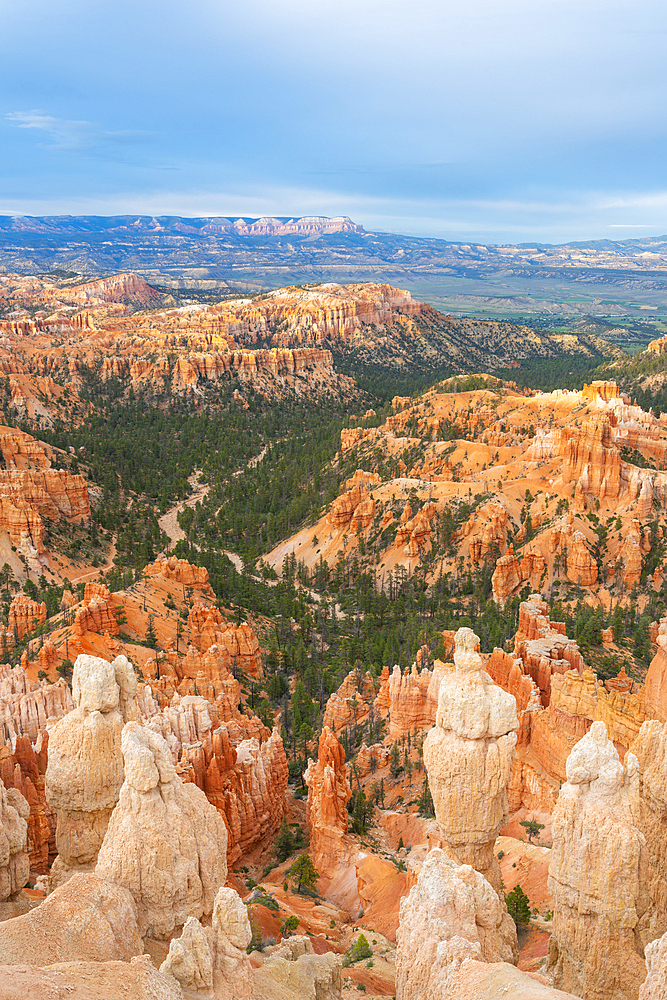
[[309, 225]]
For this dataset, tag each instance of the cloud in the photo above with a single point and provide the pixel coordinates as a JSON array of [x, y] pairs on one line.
[[67, 134]]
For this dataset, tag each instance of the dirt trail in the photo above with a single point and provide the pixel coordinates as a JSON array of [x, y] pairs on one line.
[[90, 574], [169, 521]]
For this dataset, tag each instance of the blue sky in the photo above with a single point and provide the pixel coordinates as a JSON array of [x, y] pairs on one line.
[[477, 120]]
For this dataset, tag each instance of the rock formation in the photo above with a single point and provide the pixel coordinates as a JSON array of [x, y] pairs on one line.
[[328, 794], [14, 862], [233, 758], [180, 571], [410, 706], [230, 936], [87, 919], [654, 986], [26, 706], [97, 613], [236, 645], [25, 615], [596, 873], [189, 959], [216, 956], [165, 842], [451, 914], [85, 769], [468, 755], [650, 749], [24, 771], [294, 970]]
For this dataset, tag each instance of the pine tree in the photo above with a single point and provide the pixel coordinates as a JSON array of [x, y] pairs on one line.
[[151, 635], [304, 874], [518, 906], [284, 842]]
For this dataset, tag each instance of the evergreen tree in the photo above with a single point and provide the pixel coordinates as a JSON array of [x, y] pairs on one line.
[[518, 906], [284, 842], [303, 873], [151, 635]]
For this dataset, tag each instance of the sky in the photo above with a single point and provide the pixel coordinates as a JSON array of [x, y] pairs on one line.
[[526, 120]]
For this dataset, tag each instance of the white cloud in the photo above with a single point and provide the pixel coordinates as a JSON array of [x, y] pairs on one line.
[[64, 133]]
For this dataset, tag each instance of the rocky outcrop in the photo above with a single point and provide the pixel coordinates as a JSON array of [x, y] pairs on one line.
[[596, 873], [164, 842], [328, 794], [97, 614], [294, 970], [25, 615], [236, 761], [23, 770], [543, 647], [26, 706], [14, 861], [85, 920], [236, 644], [486, 531], [21, 451], [248, 786], [451, 914], [511, 573], [468, 755], [180, 571], [650, 749], [85, 769], [355, 508], [29, 496], [350, 704]]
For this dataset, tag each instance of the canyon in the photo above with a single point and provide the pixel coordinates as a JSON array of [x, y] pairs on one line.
[[410, 741]]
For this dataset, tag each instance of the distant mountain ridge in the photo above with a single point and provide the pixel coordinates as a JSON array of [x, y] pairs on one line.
[[255, 254], [204, 226]]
